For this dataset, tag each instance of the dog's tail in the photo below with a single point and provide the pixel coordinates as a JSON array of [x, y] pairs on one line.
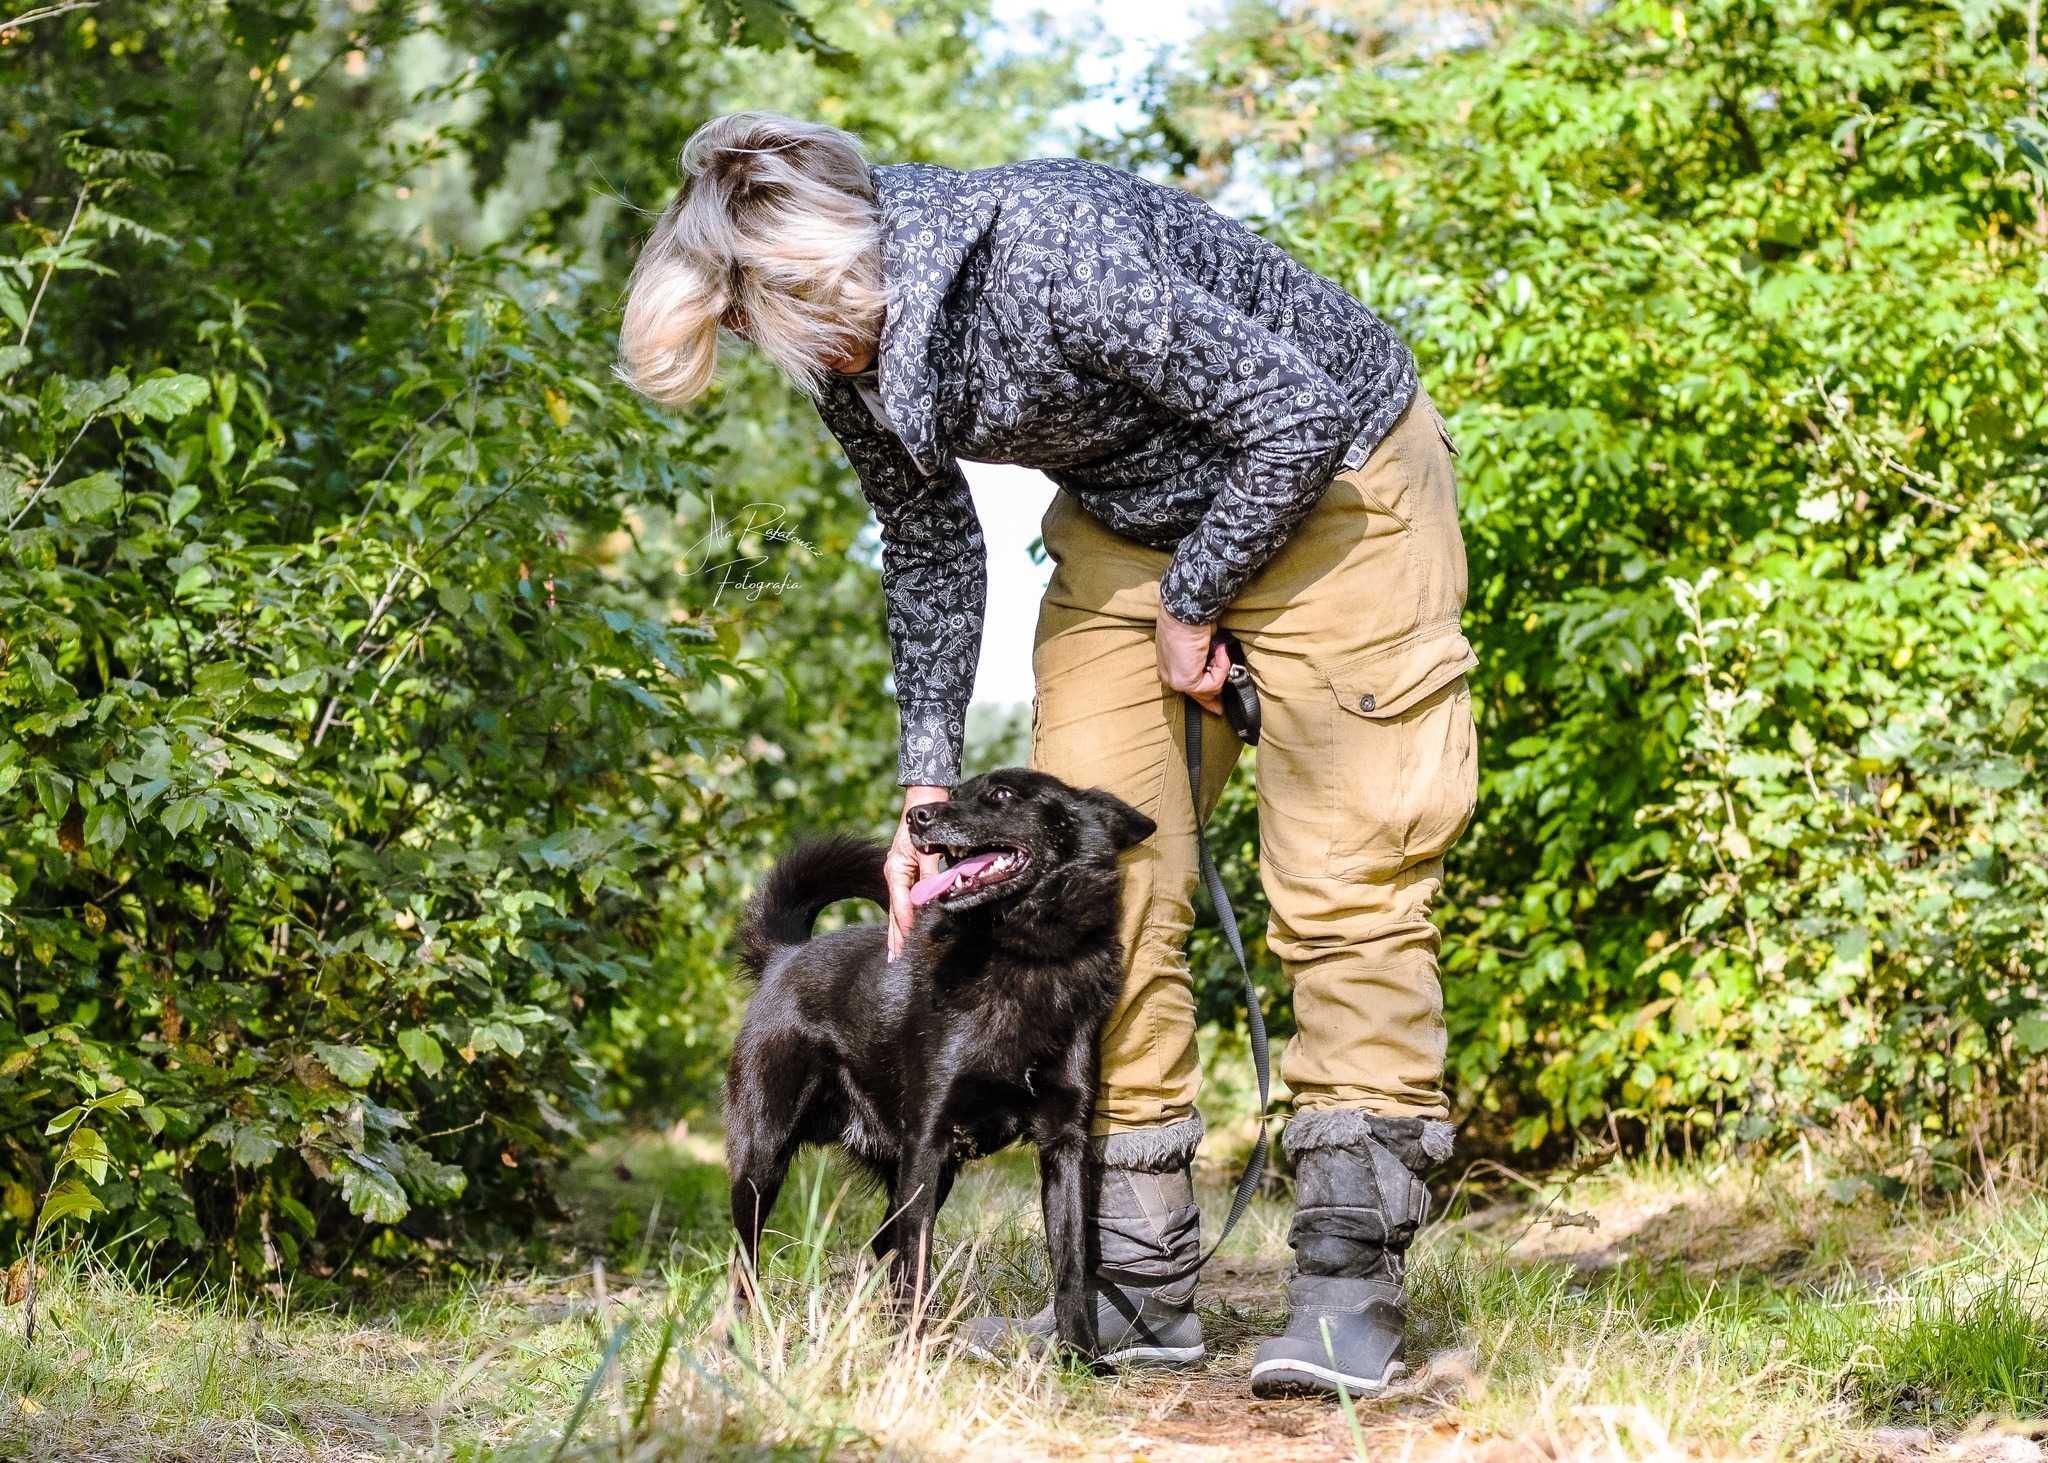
[[815, 873]]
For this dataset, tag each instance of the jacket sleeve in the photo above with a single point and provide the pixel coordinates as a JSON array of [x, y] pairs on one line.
[[934, 578], [1121, 315]]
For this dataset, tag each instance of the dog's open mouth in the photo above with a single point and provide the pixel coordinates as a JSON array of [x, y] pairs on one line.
[[969, 872]]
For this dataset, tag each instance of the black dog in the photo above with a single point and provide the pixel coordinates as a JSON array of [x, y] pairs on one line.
[[981, 1033]]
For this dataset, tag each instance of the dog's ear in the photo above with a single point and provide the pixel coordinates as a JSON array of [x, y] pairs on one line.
[[1126, 826]]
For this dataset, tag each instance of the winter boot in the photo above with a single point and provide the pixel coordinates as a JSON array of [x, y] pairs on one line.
[[1359, 1198], [1146, 1225]]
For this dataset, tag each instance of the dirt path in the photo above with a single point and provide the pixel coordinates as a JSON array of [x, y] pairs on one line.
[[1210, 1415]]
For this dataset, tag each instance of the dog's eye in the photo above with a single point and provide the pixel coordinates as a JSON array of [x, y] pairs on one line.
[[998, 794]]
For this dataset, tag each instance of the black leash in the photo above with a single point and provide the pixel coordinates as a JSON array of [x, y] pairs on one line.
[[1241, 705], [1255, 1018]]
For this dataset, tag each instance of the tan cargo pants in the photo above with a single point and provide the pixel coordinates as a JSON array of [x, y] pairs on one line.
[[1366, 776]]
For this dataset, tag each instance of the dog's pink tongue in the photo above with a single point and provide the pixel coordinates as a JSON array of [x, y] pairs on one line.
[[925, 890]]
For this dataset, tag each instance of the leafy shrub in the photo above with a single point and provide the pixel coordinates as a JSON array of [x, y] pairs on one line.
[[340, 780]]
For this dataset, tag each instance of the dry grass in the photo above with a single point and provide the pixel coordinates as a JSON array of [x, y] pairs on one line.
[[1731, 1312]]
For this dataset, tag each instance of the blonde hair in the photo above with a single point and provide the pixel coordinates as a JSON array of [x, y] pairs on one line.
[[774, 236]]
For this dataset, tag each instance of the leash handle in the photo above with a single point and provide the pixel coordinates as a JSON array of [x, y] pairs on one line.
[[1240, 695], [1255, 1018]]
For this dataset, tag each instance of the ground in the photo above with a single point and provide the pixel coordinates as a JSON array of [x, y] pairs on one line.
[[1738, 1310]]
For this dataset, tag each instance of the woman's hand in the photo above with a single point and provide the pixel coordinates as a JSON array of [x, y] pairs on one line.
[[904, 866], [1192, 660]]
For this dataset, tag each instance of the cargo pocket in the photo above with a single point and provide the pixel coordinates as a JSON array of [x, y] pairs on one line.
[[1403, 754]]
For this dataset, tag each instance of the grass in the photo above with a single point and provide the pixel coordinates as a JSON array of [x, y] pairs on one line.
[[1713, 1313]]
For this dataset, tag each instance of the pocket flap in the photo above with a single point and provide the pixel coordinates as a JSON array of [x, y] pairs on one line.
[[1387, 681]]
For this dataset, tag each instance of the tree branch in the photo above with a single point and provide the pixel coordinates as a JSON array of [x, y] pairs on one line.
[[2034, 111], [77, 208], [50, 476], [48, 12], [355, 662]]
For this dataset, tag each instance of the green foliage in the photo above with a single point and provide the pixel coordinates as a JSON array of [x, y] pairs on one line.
[[331, 751], [81, 1147], [1736, 315]]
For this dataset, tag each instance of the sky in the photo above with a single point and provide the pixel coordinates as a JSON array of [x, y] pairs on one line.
[[1012, 500]]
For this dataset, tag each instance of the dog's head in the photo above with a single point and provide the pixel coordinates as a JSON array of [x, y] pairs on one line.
[[1013, 833]]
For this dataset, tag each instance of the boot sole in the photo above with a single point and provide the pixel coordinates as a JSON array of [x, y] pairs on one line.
[[1167, 1357], [1284, 1378]]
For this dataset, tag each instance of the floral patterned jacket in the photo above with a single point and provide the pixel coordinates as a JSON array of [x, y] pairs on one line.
[[1192, 385]]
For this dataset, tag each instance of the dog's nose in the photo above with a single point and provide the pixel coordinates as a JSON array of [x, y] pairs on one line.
[[920, 817]]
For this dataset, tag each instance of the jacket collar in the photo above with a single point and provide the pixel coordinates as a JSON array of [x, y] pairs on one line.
[[932, 217]]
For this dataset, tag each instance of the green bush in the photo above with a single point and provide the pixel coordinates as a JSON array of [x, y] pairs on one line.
[[1736, 314], [338, 780]]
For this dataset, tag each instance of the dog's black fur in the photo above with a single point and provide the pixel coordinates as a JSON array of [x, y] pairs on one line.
[[983, 1032]]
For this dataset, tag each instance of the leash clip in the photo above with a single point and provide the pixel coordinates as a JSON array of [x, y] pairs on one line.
[[1240, 696]]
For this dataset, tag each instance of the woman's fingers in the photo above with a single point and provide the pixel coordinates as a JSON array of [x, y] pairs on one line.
[[900, 871], [1192, 661], [1207, 690], [904, 866], [1183, 650]]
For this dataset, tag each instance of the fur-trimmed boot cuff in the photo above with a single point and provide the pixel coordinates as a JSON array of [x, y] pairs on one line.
[[1160, 1149], [1420, 1143]]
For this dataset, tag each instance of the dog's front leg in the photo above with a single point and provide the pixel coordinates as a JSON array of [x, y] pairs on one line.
[[1063, 1190], [913, 1210]]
